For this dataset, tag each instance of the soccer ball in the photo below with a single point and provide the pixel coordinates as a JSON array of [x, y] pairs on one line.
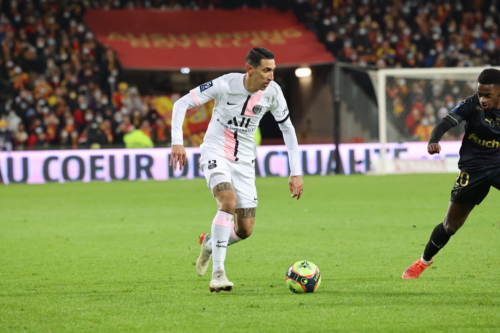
[[303, 277]]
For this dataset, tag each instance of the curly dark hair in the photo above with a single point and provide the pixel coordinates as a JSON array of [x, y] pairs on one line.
[[489, 76]]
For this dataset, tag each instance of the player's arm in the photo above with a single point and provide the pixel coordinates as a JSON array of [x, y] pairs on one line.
[[178, 153], [281, 113], [196, 97], [295, 182], [462, 111], [437, 133]]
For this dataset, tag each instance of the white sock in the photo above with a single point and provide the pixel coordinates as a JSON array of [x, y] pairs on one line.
[[424, 261], [221, 226], [233, 238]]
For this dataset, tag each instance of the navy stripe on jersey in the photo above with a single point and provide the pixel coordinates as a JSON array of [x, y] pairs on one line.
[[282, 121], [245, 105], [236, 144]]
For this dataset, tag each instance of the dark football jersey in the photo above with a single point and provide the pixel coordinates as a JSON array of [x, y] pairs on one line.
[[480, 148]]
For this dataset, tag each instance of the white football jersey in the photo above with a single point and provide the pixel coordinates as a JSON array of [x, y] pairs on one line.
[[236, 115]]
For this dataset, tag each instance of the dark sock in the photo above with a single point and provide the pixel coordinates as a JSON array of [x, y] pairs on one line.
[[438, 240]]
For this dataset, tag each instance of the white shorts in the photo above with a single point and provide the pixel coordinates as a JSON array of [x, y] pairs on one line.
[[218, 170]]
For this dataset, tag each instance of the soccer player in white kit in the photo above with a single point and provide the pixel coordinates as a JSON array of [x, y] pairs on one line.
[[228, 152]]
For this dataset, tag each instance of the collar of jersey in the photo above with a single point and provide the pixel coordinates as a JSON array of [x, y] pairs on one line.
[[242, 86]]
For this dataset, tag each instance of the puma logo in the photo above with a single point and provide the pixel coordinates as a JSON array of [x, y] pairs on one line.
[[488, 120]]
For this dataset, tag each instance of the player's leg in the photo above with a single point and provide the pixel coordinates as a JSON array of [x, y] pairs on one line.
[[468, 191], [225, 202], [454, 219], [222, 224], [221, 229], [246, 206], [240, 229], [244, 219], [217, 174]]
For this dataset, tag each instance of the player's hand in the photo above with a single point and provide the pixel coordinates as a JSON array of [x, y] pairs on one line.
[[178, 156], [434, 148], [296, 186]]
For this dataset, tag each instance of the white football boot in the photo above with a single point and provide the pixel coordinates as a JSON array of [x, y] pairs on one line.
[[220, 282], [205, 255]]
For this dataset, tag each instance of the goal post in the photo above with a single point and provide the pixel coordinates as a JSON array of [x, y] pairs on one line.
[[412, 101]]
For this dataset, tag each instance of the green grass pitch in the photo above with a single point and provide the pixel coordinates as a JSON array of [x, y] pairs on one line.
[[119, 257]]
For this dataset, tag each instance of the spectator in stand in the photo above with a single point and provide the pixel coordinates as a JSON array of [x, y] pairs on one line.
[[133, 101], [161, 134], [107, 128], [412, 120], [124, 126], [136, 138], [6, 139], [120, 96], [146, 128], [13, 121], [96, 137], [424, 129], [21, 137]]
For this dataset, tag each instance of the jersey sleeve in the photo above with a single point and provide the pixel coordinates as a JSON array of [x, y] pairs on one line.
[[206, 92], [279, 109], [292, 146], [462, 111]]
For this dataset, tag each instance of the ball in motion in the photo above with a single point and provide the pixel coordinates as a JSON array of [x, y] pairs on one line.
[[303, 277]]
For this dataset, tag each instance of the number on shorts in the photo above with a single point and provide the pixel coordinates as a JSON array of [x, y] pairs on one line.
[[462, 179], [212, 164]]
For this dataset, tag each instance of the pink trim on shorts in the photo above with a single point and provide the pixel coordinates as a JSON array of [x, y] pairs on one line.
[[233, 233], [194, 97], [253, 101], [229, 145], [223, 219]]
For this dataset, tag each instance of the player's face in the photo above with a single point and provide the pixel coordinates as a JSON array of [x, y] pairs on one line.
[[489, 96], [263, 74]]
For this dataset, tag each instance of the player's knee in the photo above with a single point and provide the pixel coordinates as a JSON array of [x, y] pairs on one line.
[[244, 233], [228, 203], [450, 228]]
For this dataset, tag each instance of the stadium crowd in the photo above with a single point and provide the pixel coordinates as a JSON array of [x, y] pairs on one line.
[[411, 34], [59, 86]]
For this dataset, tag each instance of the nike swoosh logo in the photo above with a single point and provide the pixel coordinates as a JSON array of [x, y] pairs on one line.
[[231, 103], [255, 199], [219, 242], [438, 246]]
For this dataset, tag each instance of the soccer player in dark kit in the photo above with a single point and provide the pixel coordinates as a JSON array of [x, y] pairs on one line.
[[479, 162]]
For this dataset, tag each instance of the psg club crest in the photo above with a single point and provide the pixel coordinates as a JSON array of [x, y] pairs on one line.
[[257, 109]]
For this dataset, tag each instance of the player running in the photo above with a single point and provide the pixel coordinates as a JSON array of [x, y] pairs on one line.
[[228, 152], [479, 162]]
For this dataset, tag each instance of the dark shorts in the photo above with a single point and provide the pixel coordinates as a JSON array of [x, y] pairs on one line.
[[473, 187]]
